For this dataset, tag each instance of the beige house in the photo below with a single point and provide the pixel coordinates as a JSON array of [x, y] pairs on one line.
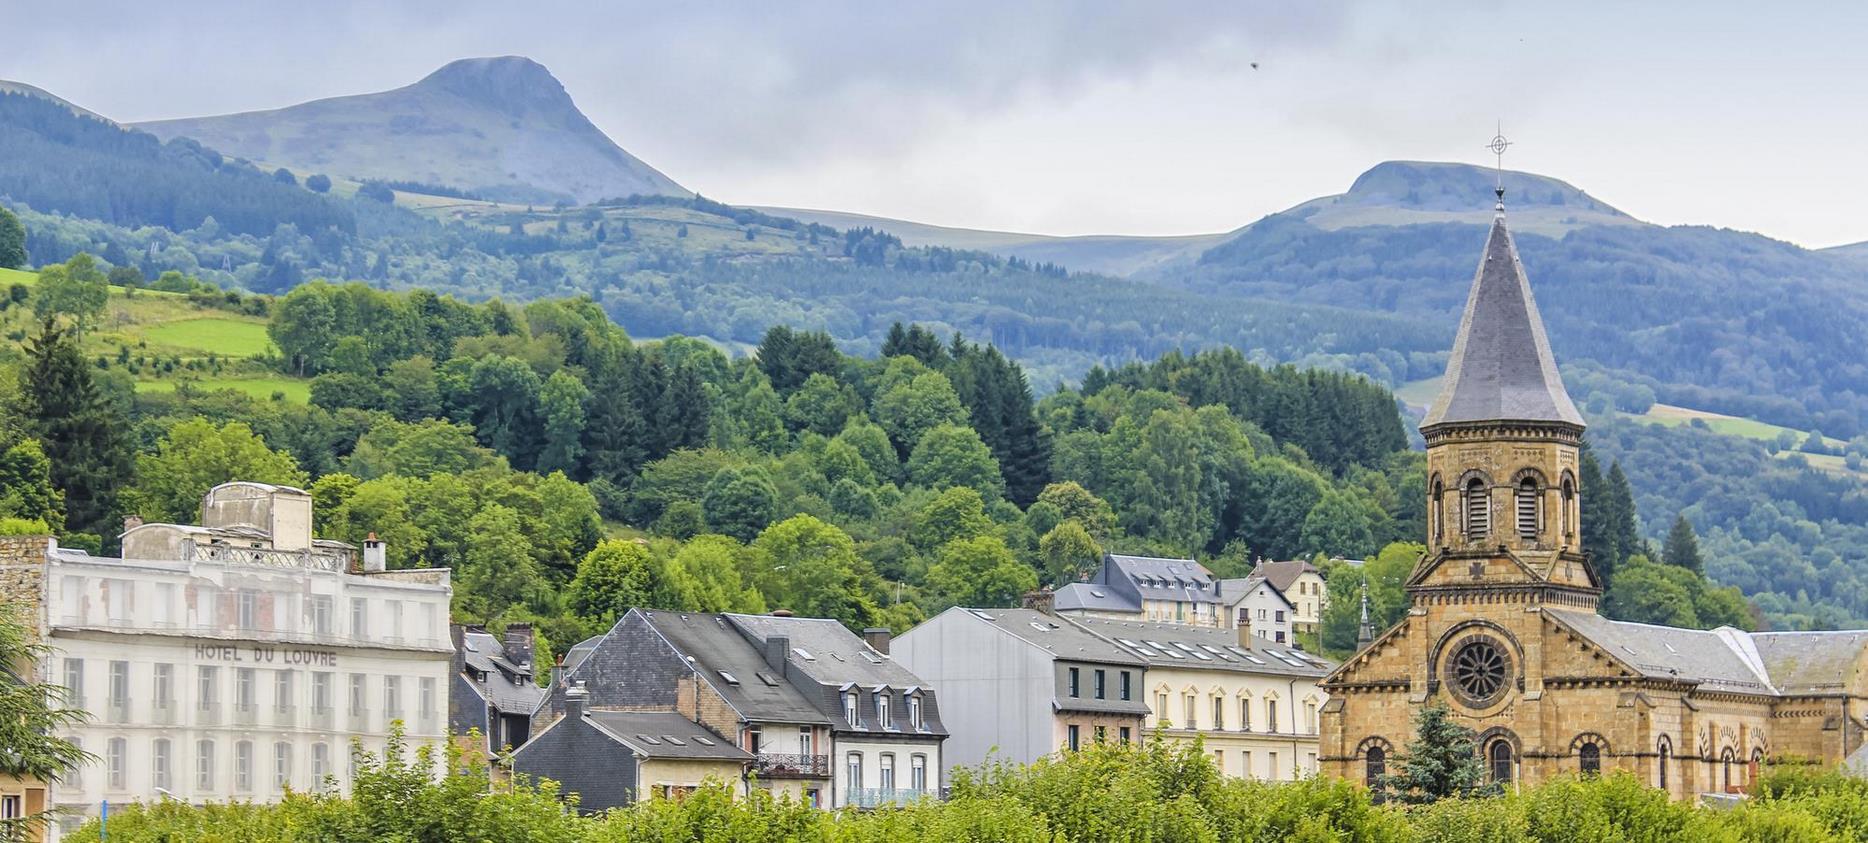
[[1253, 704], [1301, 583]]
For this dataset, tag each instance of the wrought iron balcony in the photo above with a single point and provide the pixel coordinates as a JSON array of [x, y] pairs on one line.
[[774, 765], [881, 797]]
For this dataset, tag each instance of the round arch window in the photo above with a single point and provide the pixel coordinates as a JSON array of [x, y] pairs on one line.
[[1479, 671]]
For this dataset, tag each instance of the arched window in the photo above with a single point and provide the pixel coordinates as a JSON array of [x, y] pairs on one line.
[[1478, 510], [1725, 763], [1569, 507], [1589, 758], [1439, 510], [1375, 765], [1499, 754], [1666, 754], [1527, 508]]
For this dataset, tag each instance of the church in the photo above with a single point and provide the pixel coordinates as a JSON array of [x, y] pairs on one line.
[[1503, 628]]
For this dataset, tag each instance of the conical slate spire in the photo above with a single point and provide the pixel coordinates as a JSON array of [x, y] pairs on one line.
[[1365, 632], [1501, 368]]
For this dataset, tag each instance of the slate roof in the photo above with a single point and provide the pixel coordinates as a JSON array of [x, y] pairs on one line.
[[713, 646], [839, 659], [1058, 636], [508, 686], [1501, 367], [1163, 579], [665, 734], [1234, 589], [1811, 662], [1283, 575], [1723, 659], [1083, 596], [1203, 648]]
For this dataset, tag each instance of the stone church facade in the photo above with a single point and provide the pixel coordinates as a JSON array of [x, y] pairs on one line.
[[1503, 628]]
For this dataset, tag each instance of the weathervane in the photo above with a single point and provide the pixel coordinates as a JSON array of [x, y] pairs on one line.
[[1498, 147]]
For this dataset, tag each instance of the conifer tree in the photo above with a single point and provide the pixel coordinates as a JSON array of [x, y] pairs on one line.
[[1441, 762], [12, 241], [83, 435], [1598, 542], [1682, 547], [1623, 524]]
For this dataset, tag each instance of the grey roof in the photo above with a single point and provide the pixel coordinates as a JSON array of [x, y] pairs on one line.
[[1205, 648], [1234, 589], [838, 656], [508, 685], [649, 733], [1058, 636], [1082, 596], [1163, 579], [715, 648], [1722, 659], [1501, 368], [1811, 662]]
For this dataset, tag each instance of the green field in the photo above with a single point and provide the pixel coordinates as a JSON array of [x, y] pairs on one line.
[[1419, 393], [223, 336], [1671, 416], [258, 387], [9, 277]]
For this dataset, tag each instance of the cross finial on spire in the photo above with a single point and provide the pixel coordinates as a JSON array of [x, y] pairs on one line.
[[1498, 147]]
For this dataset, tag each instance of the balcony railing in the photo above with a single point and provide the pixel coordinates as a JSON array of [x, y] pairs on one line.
[[773, 765], [878, 797]]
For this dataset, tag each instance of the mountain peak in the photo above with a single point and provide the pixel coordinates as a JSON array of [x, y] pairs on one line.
[[510, 84], [1445, 186]]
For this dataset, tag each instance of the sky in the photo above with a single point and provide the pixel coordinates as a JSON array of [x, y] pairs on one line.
[[1073, 118]]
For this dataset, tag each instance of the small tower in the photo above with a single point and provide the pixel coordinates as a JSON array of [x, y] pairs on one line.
[[1503, 446], [1365, 632]]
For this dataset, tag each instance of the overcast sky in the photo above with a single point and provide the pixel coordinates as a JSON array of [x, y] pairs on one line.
[[1073, 118]]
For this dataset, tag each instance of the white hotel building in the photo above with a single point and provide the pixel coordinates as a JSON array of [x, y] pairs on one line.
[[238, 658]]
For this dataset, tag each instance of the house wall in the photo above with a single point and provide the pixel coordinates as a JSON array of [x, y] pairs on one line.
[[1242, 748], [587, 763], [865, 793], [995, 692], [654, 775]]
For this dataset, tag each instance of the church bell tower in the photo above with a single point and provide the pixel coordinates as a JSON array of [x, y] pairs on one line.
[[1503, 445]]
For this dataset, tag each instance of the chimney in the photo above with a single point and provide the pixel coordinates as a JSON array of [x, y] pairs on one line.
[[131, 522], [1245, 631], [775, 649], [518, 642], [458, 634], [877, 637], [574, 702], [557, 672], [781, 613], [1042, 599], [375, 557]]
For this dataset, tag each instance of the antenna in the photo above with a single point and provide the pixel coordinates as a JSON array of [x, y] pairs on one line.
[[1498, 147]]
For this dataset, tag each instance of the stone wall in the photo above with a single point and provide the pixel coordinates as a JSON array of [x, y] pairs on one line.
[[22, 578]]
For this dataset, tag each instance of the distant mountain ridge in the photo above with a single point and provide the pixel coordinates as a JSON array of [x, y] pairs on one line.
[[501, 127]]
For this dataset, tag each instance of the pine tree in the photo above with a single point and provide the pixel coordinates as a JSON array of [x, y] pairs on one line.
[[1441, 762], [12, 241], [1682, 547], [1598, 542], [1624, 525], [83, 435], [683, 410], [615, 434]]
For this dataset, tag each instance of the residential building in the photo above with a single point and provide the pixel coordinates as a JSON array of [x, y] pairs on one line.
[[611, 759], [21, 796], [1253, 602], [1145, 588], [1020, 684], [1253, 704], [1301, 583], [700, 666], [1503, 626], [494, 689], [886, 733], [233, 659]]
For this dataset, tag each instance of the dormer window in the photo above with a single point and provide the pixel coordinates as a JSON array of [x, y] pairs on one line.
[[882, 709], [1478, 510], [914, 712], [849, 709]]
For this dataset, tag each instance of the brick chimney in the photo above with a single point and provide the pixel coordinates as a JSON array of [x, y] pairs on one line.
[[131, 522], [1042, 599], [1245, 630], [518, 643], [877, 637]]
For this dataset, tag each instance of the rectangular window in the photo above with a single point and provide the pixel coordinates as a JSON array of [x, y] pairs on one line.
[[11, 807], [321, 692], [1101, 685], [281, 765], [1193, 716], [392, 696], [246, 612], [807, 738], [243, 766], [1122, 734], [74, 682], [1245, 715], [1125, 685], [165, 687], [1161, 703], [427, 700], [1245, 763], [1272, 768], [1310, 717], [887, 770], [118, 596], [882, 711], [282, 696], [204, 766], [119, 684], [1075, 682], [1219, 712], [160, 769], [116, 758], [849, 709], [393, 621], [853, 770], [207, 694], [918, 772], [321, 614], [357, 688], [165, 605], [1271, 718], [359, 618], [1279, 616], [1075, 738], [914, 712], [1102, 733], [320, 766], [246, 696]]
